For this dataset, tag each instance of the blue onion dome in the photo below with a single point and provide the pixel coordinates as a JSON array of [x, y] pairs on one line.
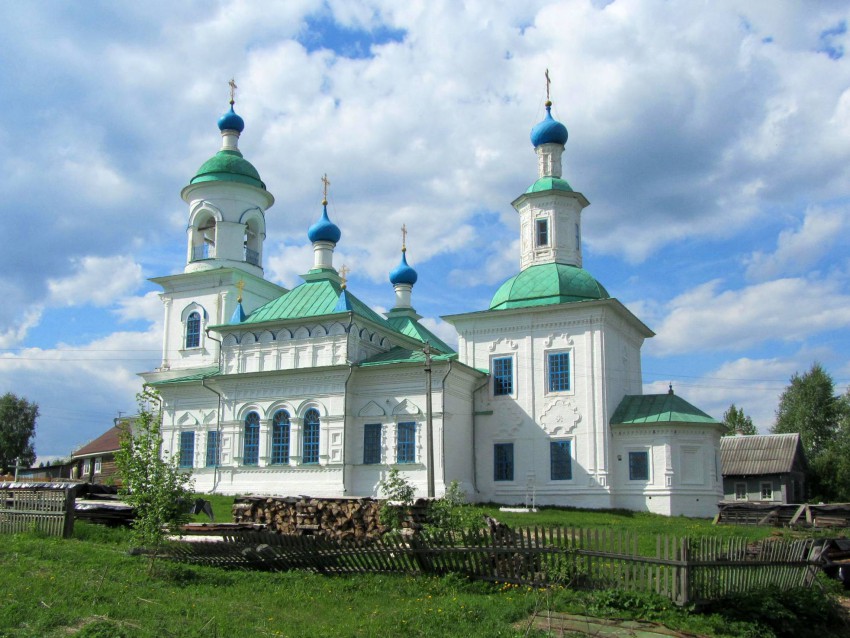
[[549, 131], [230, 121], [403, 274], [324, 229]]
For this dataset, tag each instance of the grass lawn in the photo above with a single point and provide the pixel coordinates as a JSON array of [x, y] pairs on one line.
[[90, 587]]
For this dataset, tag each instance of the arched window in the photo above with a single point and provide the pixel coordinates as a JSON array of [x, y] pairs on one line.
[[280, 437], [193, 330], [311, 436], [251, 450]]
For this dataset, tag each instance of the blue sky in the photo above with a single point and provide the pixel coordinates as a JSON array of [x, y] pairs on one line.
[[710, 139]]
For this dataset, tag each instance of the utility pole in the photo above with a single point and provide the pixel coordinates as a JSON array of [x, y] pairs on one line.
[[429, 441]]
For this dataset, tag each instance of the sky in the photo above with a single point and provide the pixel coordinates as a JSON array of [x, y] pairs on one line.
[[711, 138]]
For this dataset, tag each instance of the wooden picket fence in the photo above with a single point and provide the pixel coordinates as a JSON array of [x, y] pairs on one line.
[[43, 508], [683, 570]]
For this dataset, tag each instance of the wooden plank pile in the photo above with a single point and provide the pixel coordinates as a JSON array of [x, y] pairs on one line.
[[784, 515], [339, 518]]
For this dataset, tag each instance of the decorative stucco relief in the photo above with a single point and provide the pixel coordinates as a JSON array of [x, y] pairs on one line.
[[560, 416], [509, 344]]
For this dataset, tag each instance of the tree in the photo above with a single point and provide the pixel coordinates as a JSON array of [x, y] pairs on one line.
[[735, 420], [17, 429], [809, 406], [151, 480]]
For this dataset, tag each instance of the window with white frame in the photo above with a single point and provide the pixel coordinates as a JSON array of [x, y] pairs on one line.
[[212, 448], [560, 461], [503, 462], [280, 438], [503, 376], [406, 443], [310, 446], [86, 467], [740, 491], [98, 465], [541, 232], [251, 443], [193, 330], [639, 466], [187, 450], [371, 443], [767, 491], [558, 371]]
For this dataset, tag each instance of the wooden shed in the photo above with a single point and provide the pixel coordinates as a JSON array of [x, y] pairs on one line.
[[763, 468], [95, 461]]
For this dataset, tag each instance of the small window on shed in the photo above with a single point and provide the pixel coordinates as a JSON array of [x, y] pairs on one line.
[[767, 491], [740, 491]]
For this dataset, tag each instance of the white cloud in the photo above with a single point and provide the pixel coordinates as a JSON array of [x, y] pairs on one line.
[[708, 318], [798, 250], [96, 280]]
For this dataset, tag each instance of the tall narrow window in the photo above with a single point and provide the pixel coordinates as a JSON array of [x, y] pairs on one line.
[[578, 238], [193, 330], [503, 462], [560, 461], [372, 443], [251, 449], [541, 228], [280, 437], [187, 449], [311, 437], [212, 448], [638, 466], [406, 444], [503, 376], [559, 371], [740, 491]]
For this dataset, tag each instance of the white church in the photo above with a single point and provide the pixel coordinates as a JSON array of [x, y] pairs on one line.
[[309, 391]]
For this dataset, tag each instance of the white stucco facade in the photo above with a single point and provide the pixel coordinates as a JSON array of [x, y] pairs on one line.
[[309, 391]]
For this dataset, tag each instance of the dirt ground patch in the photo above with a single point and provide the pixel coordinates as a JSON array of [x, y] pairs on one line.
[[560, 625]]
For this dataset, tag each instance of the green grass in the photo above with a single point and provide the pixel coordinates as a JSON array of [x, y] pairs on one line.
[[90, 587]]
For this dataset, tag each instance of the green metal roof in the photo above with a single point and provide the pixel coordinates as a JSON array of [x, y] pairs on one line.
[[638, 409], [403, 355], [313, 299], [412, 328], [228, 166], [549, 184], [547, 284], [198, 375]]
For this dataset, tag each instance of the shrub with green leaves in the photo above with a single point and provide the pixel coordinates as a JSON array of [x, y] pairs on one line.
[[452, 512], [151, 480], [398, 494]]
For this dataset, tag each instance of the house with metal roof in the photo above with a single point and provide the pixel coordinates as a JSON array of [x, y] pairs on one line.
[[311, 391], [763, 468]]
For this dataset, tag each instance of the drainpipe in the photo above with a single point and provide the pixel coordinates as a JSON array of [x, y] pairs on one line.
[[217, 413], [443, 421], [474, 462], [345, 410]]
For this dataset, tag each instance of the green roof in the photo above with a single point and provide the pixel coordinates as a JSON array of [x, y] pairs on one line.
[[412, 328], [658, 408], [228, 166], [549, 184], [547, 284], [313, 299], [403, 355], [198, 375]]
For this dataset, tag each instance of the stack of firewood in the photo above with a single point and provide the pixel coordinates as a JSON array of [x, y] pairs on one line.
[[339, 518]]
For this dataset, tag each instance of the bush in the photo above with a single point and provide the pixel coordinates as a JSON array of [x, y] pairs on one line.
[[452, 513], [398, 494]]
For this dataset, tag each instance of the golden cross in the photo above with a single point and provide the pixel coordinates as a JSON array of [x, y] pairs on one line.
[[548, 82], [326, 182], [239, 286], [343, 272], [233, 88], [403, 237]]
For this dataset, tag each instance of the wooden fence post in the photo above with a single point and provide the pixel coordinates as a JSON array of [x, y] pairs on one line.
[[684, 572], [70, 502]]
